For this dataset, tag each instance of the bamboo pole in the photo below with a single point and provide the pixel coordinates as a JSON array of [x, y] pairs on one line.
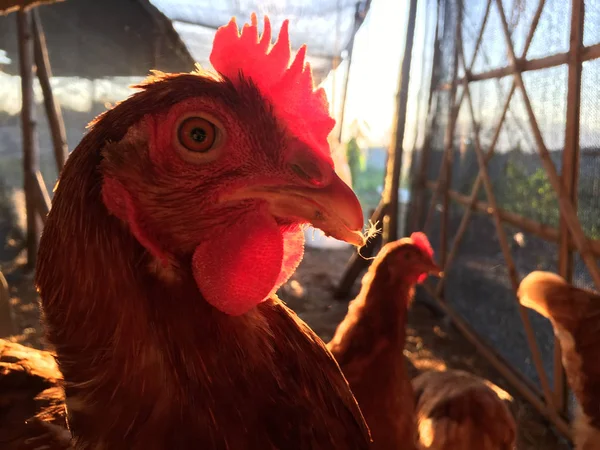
[[358, 261], [462, 228], [477, 184], [394, 164], [448, 143], [449, 147], [566, 207], [421, 181], [417, 128], [512, 271], [419, 187], [358, 20], [569, 175], [587, 54], [7, 325], [453, 86], [42, 198], [446, 207], [28, 126], [540, 230], [53, 111], [591, 52], [521, 384]]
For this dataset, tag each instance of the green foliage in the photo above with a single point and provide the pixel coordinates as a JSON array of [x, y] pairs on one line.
[[356, 159], [366, 187], [530, 195]]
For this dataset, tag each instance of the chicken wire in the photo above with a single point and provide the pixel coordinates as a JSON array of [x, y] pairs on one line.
[[477, 284]]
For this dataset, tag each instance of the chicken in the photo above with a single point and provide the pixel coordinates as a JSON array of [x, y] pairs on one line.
[[368, 344], [32, 410], [174, 222], [457, 410], [575, 316], [439, 410]]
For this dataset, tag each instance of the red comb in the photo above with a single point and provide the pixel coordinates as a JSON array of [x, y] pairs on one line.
[[288, 87], [421, 241]]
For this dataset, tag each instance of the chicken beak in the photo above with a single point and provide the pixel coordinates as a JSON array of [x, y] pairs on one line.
[[431, 268], [334, 209], [435, 270]]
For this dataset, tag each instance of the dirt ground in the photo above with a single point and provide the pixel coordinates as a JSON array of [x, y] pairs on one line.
[[431, 343]]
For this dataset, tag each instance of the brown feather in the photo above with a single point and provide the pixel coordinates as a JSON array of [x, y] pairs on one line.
[[575, 316], [32, 410], [457, 410]]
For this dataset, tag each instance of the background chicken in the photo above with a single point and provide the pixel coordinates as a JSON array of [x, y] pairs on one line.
[[453, 409], [173, 223], [32, 409], [575, 316], [369, 342], [458, 410]]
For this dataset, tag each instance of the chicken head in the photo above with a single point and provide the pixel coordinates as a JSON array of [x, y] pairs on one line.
[[224, 178], [410, 259]]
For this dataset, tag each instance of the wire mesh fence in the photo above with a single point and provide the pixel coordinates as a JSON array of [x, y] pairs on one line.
[[507, 175]]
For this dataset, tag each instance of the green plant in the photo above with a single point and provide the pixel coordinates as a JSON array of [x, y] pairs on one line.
[[530, 195], [356, 159]]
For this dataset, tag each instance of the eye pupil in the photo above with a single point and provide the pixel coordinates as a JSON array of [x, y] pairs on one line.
[[198, 134]]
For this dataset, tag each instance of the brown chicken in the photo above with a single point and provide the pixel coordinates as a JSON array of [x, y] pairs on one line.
[[32, 408], [456, 410], [174, 222], [369, 342], [575, 316], [439, 410]]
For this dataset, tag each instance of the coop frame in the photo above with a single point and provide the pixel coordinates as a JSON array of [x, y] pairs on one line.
[[551, 401]]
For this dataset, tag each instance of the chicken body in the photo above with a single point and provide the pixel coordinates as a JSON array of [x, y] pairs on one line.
[[32, 410], [173, 223], [457, 410], [369, 343], [575, 317]]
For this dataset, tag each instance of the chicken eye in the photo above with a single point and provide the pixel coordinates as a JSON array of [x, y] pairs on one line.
[[197, 134]]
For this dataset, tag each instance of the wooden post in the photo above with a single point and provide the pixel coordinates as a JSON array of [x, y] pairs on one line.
[[42, 198], [417, 198], [394, 164], [7, 327], [387, 210], [358, 261], [28, 126], [44, 74], [359, 17], [569, 175]]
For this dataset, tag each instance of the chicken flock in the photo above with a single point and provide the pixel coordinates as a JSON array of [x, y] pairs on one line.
[[174, 223]]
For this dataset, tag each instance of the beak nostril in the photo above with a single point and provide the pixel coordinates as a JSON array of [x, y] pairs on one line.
[[301, 173], [308, 171]]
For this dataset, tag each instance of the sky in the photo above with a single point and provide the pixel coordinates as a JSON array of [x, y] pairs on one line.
[[375, 70]]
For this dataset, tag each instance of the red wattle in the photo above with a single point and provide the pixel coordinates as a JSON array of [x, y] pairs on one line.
[[293, 251], [246, 262]]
